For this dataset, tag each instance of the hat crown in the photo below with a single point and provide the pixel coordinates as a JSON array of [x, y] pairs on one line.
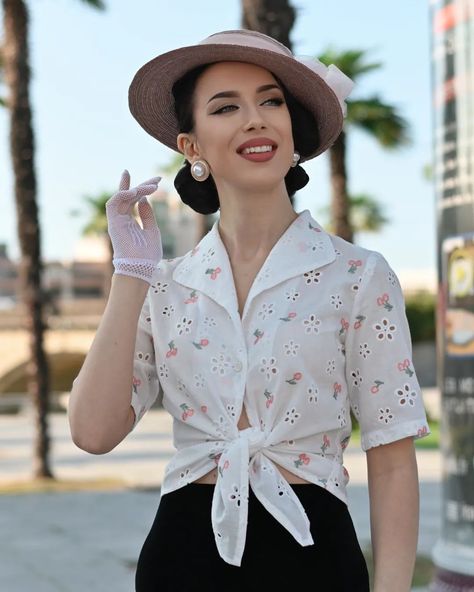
[[247, 38]]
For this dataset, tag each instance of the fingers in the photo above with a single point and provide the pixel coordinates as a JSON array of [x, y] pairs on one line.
[[152, 181], [123, 201], [124, 180], [145, 211]]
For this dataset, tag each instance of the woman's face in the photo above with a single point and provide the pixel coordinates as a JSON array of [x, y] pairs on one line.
[[223, 123]]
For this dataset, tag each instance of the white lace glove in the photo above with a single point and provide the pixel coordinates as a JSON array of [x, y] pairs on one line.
[[137, 250]]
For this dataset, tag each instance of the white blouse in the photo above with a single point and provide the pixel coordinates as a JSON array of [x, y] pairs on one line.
[[323, 331]]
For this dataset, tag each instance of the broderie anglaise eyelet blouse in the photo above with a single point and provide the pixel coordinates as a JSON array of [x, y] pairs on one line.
[[323, 331]]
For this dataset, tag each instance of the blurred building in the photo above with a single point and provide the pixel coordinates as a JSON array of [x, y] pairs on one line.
[[87, 275]]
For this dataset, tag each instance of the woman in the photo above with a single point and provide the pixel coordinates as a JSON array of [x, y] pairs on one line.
[[263, 337]]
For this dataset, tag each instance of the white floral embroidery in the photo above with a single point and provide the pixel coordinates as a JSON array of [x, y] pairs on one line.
[[235, 495], [364, 350], [221, 364], [385, 415], [160, 287], [266, 310], [268, 367], [292, 295], [199, 381], [336, 301], [185, 476], [180, 384], [231, 410], [184, 325], [163, 371], [312, 277], [355, 287], [167, 311], [292, 415], [342, 417], [291, 348], [311, 324], [407, 395], [384, 330], [282, 488], [392, 278], [264, 274], [331, 367], [208, 256], [356, 377], [209, 321], [222, 426], [312, 391]]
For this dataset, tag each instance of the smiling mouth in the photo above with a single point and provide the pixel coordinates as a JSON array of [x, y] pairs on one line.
[[258, 149]]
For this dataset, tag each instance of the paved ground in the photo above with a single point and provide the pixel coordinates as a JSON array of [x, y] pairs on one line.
[[77, 541]]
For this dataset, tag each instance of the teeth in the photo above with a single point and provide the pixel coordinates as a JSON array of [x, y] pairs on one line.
[[257, 149]]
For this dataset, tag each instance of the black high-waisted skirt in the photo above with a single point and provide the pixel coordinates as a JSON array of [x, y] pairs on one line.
[[179, 554]]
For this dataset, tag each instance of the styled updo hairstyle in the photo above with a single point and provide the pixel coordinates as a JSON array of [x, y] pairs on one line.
[[202, 196]]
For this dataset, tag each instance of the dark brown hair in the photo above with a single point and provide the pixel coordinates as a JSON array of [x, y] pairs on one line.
[[202, 196]]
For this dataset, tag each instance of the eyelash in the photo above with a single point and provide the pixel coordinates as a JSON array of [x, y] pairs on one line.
[[277, 99]]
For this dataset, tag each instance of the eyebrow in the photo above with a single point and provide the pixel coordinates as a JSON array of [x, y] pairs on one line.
[[234, 93]]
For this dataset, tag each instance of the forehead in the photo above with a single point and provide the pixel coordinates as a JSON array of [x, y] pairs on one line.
[[236, 74]]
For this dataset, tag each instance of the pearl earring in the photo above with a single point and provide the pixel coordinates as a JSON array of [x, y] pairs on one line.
[[200, 170], [296, 157]]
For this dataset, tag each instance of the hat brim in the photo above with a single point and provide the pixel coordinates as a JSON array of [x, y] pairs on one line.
[[151, 101]]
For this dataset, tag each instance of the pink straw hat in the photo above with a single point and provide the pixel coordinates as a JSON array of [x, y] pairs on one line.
[[321, 89]]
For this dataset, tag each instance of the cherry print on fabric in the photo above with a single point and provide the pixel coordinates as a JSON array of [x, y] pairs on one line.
[[324, 333], [289, 317], [405, 367]]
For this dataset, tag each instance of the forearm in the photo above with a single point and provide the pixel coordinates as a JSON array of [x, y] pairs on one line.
[[99, 402], [394, 520]]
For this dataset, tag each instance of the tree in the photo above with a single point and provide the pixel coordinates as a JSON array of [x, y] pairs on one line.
[[380, 120], [271, 17], [365, 214], [16, 64]]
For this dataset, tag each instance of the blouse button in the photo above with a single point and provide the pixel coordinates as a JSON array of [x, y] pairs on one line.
[[238, 366]]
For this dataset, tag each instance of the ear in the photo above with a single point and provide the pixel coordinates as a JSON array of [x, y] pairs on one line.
[[187, 146]]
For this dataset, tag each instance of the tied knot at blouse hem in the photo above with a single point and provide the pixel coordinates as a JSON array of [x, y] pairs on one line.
[[323, 333]]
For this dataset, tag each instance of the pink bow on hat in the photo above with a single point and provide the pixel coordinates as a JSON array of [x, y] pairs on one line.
[[341, 84]]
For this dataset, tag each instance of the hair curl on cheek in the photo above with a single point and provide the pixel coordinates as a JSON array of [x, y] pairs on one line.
[[202, 196]]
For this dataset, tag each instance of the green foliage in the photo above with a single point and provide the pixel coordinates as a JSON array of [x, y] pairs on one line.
[[421, 314]]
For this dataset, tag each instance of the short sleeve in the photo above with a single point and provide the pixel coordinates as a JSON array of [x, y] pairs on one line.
[[146, 384], [383, 388]]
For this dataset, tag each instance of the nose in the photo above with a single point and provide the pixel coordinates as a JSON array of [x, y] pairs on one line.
[[254, 119]]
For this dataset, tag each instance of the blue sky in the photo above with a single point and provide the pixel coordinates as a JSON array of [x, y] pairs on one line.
[[83, 62]]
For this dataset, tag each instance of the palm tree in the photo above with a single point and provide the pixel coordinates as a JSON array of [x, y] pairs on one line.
[[97, 226], [16, 63], [272, 17], [365, 214], [377, 118]]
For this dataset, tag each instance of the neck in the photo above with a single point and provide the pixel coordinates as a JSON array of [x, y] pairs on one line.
[[251, 233]]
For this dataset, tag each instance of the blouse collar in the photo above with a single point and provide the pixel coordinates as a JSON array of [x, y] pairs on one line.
[[302, 247]]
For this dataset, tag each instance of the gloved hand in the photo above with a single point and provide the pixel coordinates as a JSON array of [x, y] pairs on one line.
[[137, 250]]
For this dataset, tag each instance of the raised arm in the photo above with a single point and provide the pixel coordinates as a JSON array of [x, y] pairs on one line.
[[99, 409]]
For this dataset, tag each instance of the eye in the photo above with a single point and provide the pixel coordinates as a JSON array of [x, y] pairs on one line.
[[276, 100]]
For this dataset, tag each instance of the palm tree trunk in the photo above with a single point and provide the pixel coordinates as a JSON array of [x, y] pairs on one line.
[[339, 197], [17, 77], [272, 17]]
